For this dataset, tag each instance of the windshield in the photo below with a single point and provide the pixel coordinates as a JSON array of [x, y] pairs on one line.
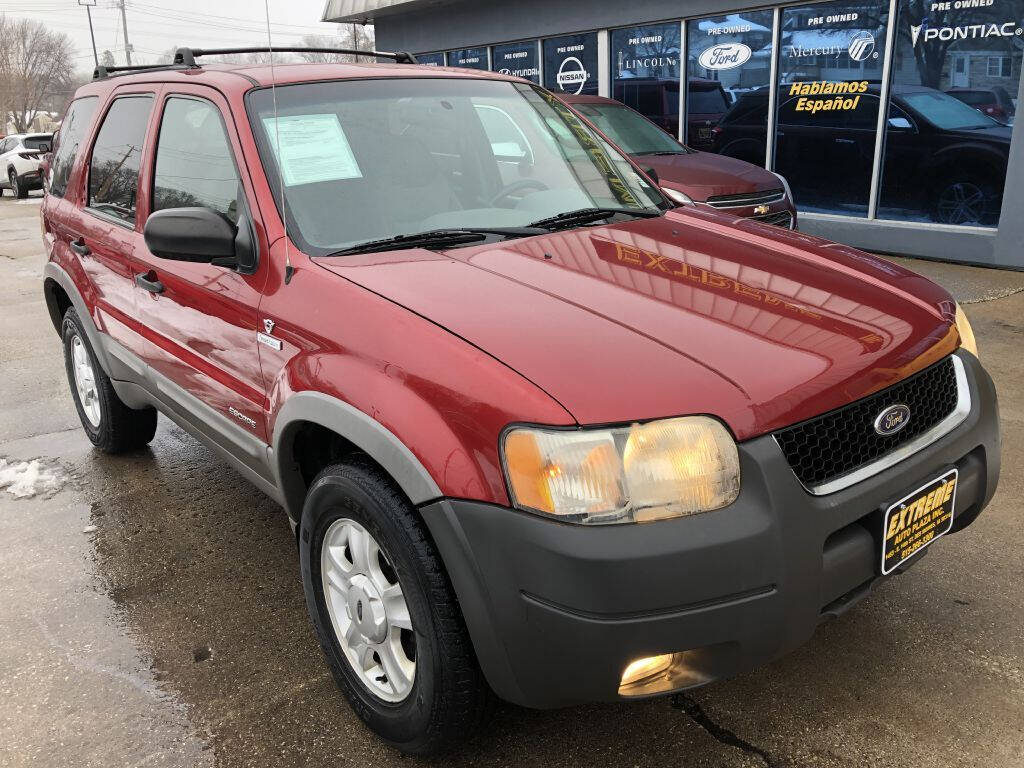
[[707, 101], [630, 130], [365, 160], [946, 112]]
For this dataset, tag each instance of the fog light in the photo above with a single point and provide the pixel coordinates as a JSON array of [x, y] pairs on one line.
[[642, 669], [675, 671]]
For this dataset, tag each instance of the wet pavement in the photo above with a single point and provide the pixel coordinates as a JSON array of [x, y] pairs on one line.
[[152, 611]]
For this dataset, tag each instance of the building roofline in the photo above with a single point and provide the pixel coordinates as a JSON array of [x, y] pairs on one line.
[[363, 11]]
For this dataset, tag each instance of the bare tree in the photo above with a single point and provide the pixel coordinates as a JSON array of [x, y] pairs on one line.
[[351, 36], [36, 68]]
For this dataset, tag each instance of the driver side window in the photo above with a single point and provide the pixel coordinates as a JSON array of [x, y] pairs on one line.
[[195, 166]]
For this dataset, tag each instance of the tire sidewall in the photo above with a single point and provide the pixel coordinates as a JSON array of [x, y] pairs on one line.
[[70, 328], [335, 496]]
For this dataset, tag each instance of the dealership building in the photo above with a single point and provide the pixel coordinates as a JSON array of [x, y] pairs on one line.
[[893, 120]]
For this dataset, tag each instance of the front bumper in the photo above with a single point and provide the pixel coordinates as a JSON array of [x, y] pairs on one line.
[[557, 611]]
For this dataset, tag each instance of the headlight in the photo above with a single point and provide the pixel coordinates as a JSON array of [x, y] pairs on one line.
[[963, 327], [631, 474], [676, 196], [785, 184]]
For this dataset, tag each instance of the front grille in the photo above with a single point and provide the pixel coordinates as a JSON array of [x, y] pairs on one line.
[[779, 219], [841, 441], [746, 198]]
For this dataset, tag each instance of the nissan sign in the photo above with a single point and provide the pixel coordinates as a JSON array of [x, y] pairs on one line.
[[725, 56], [572, 75]]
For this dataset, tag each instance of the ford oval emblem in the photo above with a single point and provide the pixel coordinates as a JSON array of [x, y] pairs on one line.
[[725, 56], [892, 420]]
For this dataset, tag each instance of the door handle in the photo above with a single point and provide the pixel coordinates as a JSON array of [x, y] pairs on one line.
[[147, 281], [845, 141], [79, 247]]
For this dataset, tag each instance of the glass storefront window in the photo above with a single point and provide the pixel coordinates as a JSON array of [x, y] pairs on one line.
[[830, 67], [955, 79], [645, 71], [570, 64], [517, 59], [469, 58], [430, 59], [729, 60]]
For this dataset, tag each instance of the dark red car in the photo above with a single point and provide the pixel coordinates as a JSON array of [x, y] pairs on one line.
[[539, 433], [687, 176], [994, 102]]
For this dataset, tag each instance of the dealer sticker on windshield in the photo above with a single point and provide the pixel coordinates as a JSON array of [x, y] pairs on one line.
[[918, 519]]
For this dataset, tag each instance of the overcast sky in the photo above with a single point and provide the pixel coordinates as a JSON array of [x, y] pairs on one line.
[[156, 25]]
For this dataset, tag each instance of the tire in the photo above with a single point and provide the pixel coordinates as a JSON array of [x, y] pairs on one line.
[[111, 425], [447, 698], [966, 198], [16, 189]]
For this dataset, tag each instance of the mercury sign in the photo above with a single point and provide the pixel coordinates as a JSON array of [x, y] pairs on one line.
[[725, 56]]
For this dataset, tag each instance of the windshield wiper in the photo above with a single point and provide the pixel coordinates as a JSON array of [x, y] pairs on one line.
[[663, 152], [437, 238], [585, 215]]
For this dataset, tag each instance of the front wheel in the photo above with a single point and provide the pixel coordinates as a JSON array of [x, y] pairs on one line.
[[385, 613], [16, 189]]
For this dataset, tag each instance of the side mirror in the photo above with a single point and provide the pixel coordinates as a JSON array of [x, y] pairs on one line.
[[200, 235], [652, 175], [900, 124]]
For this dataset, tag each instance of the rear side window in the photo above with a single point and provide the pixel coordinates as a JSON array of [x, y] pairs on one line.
[[114, 171], [38, 142], [72, 131], [194, 162]]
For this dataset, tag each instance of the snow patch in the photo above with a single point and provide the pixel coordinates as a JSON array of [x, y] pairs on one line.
[[30, 201], [24, 479]]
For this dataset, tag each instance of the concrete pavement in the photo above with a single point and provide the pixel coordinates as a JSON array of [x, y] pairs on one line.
[[152, 612]]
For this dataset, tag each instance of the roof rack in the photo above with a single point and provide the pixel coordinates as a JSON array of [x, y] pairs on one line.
[[187, 56], [101, 72]]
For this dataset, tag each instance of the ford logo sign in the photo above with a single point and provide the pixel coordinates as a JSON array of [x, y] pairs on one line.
[[724, 56], [892, 420]]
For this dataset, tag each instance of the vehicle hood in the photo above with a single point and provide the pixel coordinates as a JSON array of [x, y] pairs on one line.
[[701, 175], [693, 312]]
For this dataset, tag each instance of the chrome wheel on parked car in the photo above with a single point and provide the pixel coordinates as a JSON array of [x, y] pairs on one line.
[[368, 610], [85, 381]]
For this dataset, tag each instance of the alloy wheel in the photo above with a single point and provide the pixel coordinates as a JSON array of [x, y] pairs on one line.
[[962, 203], [368, 610], [14, 183], [85, 381]]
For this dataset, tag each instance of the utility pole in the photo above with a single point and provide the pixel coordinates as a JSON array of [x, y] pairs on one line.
[[88, 12], [127, 46]]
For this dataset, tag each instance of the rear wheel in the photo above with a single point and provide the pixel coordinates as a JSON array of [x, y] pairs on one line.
[[111, 425], [964, 198], [385, 613]]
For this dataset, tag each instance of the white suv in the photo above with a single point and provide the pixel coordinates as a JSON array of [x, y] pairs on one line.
[[20, 157]]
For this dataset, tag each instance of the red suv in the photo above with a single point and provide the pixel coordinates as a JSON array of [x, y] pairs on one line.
[[538, 435]]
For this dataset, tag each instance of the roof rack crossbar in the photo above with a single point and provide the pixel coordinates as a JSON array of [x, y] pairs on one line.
[[102, 72], [187, 56]]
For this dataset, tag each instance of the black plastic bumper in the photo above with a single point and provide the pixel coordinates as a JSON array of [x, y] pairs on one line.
[[557, 611]]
